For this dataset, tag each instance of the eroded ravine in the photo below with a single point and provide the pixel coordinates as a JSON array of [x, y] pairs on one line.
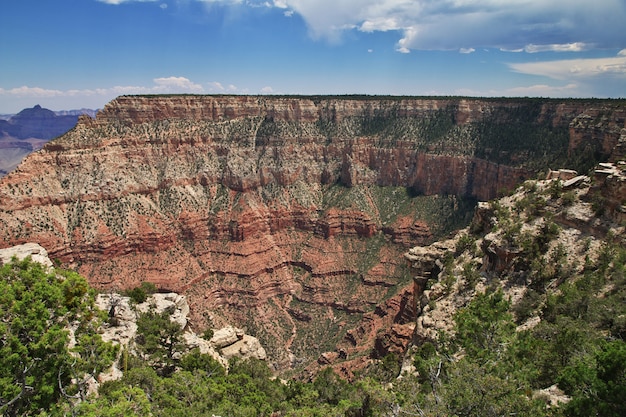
[[283, 213]]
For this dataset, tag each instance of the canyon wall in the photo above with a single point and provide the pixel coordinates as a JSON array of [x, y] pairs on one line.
[[285, 215]]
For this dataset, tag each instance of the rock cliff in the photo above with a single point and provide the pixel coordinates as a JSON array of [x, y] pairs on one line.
[[285, 215], [560, 215]]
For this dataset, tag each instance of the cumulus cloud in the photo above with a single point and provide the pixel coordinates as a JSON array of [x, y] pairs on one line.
[[216, 86], [512, 25], [564, 47], [35, 92], [267, 90], [162, 85], [588, 76]]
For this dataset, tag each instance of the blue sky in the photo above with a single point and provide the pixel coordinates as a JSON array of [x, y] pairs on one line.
[[67, 54]]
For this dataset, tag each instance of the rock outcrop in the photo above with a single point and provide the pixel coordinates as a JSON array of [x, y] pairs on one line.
[[558, 214], [609, 191], [287, 216], [36, 252], [121, 328]]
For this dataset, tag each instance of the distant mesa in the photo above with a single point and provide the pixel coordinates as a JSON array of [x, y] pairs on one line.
[[39, 123], [30, 129]]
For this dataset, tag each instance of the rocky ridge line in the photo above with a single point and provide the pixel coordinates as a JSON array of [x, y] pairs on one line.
[[582, 228]]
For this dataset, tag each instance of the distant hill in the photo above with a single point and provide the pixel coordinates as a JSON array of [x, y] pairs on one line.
[[37, 122], [28, 130]]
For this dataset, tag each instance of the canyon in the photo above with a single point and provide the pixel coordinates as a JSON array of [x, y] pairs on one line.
[[289, 216]]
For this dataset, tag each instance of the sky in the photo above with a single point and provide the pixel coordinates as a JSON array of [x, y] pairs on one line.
[[71, 54]]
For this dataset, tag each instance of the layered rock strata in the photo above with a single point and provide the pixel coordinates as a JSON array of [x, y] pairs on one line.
[[284, 215]]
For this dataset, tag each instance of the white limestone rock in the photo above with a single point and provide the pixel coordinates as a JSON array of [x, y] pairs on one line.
[[175, 303], [193, 341], [247, 347], [226, 337], [37, 253]]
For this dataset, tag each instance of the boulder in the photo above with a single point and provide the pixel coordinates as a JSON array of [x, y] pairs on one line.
[[34, 250], [245, 348], [226, 337]]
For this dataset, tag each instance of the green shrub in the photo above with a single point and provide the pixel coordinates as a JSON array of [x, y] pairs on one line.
[[465, 243], [140, 294], [569, 198], [555, 189], [207, 334], [195, 360], [526, 306], [36, 364], [598, 204], [471, 275]]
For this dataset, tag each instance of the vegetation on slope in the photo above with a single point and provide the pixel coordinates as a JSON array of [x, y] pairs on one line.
[[566, 331], [503, 355]]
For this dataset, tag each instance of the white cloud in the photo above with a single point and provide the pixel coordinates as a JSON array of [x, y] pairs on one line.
[[520, 25], [13, 99], [512, 25], [565, 47], [216, 87], [575, 68], [267, 90], [116, 2], [380, 25], [35, 92], [467, 50], [176, 85]]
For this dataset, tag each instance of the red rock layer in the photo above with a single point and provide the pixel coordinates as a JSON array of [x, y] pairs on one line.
[[262, 210]]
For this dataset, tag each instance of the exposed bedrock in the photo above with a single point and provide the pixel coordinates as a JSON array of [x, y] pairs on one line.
[[285, 215]]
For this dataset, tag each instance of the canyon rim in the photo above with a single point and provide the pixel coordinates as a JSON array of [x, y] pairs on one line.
[[288, 215]]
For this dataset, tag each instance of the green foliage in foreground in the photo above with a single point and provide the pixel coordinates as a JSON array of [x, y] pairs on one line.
[[486, 369], [37, 369]]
